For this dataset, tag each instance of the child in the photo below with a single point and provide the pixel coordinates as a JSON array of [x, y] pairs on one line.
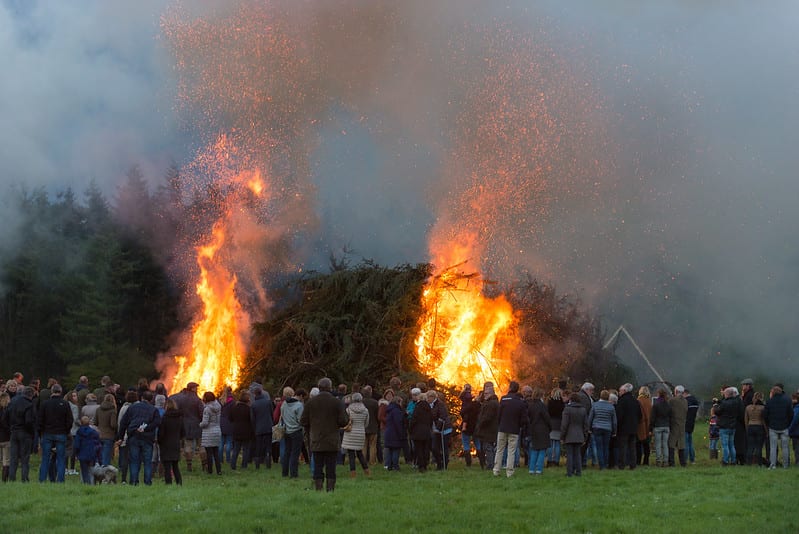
[[713, 432], [86, 445]]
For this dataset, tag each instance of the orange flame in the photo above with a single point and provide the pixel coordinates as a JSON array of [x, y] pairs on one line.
[[465, 337], [217, 345]]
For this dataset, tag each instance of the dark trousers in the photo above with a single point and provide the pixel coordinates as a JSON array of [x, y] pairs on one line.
[[262, 450], [214, 457], [170, 468], [351, 454], [123, 462], [290, 462], [21, 446], [642, 451], [574, 461], [627, 454], [755, 437], [422, 448], [325, 465], [680, 455], [244, 448]]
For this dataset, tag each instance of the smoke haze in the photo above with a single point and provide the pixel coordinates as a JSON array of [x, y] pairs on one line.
[[639, 156]]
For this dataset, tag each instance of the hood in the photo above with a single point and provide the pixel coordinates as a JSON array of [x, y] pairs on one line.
[[214, 406], [358, 407], [291, 400]]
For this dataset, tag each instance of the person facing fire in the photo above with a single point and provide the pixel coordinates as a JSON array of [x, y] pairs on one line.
[[190, 404], [322, 417]]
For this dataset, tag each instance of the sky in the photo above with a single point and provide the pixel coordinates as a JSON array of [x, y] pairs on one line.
[[666, 198]]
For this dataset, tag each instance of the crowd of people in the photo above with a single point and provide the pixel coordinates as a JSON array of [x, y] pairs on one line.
[[149, 432]]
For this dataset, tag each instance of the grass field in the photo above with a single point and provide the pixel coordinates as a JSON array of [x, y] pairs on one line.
[[703, 497]]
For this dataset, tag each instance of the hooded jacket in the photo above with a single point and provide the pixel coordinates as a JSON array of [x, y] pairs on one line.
[[170, 432], [290, 414], [106, 416], [211, 425], [86, 444], [55, 416], [359, 417]]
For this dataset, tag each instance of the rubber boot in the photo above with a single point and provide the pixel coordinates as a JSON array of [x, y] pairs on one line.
[[318, 484], [331, 484]]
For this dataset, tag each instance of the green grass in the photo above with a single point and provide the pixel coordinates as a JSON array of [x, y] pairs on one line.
[[703, 497]]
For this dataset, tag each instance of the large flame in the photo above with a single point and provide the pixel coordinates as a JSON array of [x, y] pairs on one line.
[[217, 345], [464, 337]]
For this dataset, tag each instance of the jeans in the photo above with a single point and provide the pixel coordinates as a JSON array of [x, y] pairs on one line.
[[690, 452], [86, 472], [393, 458], [602, 441], [140, 451], [466, 441], [553, 452], [779, 437], [661, 434], [537, 459], [107, 452], [244, 448], [506, 442], [351, 454], [488, 451], [727, 436], [290, 461], [59, 441], [225, 446], [755, 436], [21, 444]]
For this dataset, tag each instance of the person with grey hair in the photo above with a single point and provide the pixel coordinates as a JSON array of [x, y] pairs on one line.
[[586, 394], [778, 414], [679, 414], [355, 433], [628, 414], [322, 416], [55, 422], [22, 423]]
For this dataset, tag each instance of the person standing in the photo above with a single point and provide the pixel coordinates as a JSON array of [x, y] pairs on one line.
[[87, 445], [355, 434], [140, 423], [679, 414], [778, 415], [241, 420], [106, 416], [22, 423], [441, 431], [487, 425], [540, 425], [555, 406], [741, 438], [395, 435], [373, 428], [573, 431], [290, 414], [755, 430], [55, 422], [512, 418], [586, 396], [420, 425], [603, 423], [628, 412], [191, 406], [643, 434], [5, 435], [793, 429], [211, 427], [322, 417], [690, 424], [170, 432], [470, 410], [661, 416], [261, 414], [729, 411]]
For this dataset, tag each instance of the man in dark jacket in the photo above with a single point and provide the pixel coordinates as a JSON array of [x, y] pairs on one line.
[[512, 418], [470, 409], [22, 423], [191, 406], [140, 422], [442, 429], [55, 422], [690, 423], [628, 414], [729, 413], [261, 415], [372, 428], [777, 415], [586, 394], [322, 417], [486, 427]]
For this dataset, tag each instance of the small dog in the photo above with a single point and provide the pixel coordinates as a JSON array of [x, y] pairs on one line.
[[104, 474]]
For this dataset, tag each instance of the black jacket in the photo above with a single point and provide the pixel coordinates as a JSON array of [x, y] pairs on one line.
[[512, 413], [693, 409], [628, 413], [469, 412], [55, 416], [778, 412], [661, 414], [241, 423], [261, 414], [488, 420], [729, 412], [170, 432], [21, 415], [421, 421], [539, 425]]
